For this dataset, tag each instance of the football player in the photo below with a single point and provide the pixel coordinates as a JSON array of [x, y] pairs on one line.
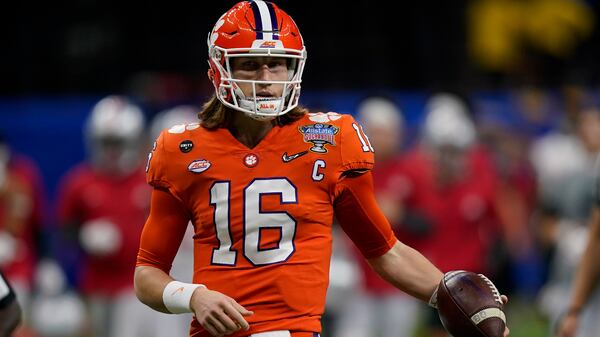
[[102, 206], [453, 193], [10, 312], [261, 180], [586, 280]]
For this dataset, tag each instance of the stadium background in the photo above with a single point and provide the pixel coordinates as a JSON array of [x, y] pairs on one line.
[[60, 59]]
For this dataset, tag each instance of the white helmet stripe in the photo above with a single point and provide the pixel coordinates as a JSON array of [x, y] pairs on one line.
[[265, 17]]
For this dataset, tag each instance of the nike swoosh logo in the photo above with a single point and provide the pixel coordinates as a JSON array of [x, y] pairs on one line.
[[287, 159], [180, 289]]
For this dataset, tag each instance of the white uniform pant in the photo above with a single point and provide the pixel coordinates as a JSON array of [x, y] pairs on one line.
[[125, 316], [392, 315]]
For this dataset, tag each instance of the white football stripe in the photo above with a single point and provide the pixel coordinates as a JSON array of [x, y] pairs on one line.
[[488, 313], [265, 17]]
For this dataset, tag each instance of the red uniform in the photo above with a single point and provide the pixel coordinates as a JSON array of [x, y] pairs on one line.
[[263, 216], [87, 195], [25, 218], [462, 214]]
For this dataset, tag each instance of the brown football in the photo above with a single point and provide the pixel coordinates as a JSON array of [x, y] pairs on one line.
[[469, 305]]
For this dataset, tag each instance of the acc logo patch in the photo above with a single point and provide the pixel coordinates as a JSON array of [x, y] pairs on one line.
[[199, 166], [268, 44], [319, 135]]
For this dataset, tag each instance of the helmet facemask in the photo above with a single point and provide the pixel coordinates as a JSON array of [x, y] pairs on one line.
[[253, 105]]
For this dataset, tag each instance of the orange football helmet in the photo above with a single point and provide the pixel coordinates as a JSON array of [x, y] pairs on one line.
[[256, 29]]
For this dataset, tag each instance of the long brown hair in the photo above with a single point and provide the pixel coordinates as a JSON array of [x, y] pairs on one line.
[[215, 114]]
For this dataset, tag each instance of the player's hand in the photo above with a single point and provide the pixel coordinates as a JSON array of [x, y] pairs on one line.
[[218, 313], [567, 326], [504, 301]]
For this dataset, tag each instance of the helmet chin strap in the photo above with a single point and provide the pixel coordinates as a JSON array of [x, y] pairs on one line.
[[262, 105], [257, 107]]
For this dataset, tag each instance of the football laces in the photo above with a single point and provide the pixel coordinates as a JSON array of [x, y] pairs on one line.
[[495, 291]]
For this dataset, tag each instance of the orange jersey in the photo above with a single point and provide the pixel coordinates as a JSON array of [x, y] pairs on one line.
[[262, 216]]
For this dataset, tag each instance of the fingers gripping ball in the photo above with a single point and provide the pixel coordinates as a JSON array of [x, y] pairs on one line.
[[469, 305]]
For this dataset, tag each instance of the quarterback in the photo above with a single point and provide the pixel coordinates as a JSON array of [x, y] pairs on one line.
[[261, 180]]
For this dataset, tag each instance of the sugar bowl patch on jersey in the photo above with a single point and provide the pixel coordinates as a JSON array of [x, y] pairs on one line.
[[337, 139], [319, 135]]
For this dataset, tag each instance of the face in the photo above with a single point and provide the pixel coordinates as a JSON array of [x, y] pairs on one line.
[[451, 162], [115, 155], [260, 69]]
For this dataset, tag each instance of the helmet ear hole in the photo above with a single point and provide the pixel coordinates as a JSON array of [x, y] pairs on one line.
[[211, 74]]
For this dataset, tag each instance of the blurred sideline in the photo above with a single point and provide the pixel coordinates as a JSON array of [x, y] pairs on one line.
[[513, 168]]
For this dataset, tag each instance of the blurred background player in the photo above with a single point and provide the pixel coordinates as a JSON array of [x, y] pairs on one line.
[[377, 308], [564, 160], [102, 207], [452, 194], [21, 221], [10, 312], [580, 319], [568, 204]]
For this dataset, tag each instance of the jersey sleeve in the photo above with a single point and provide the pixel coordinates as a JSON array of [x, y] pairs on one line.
[[356, 150], [163, 231], [157, 168], [361, 218]]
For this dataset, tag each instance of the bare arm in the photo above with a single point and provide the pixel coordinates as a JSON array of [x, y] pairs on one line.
[[363, 221], [586, 279], [588, 273], [216, 312], [149, 284], [408, 270]]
